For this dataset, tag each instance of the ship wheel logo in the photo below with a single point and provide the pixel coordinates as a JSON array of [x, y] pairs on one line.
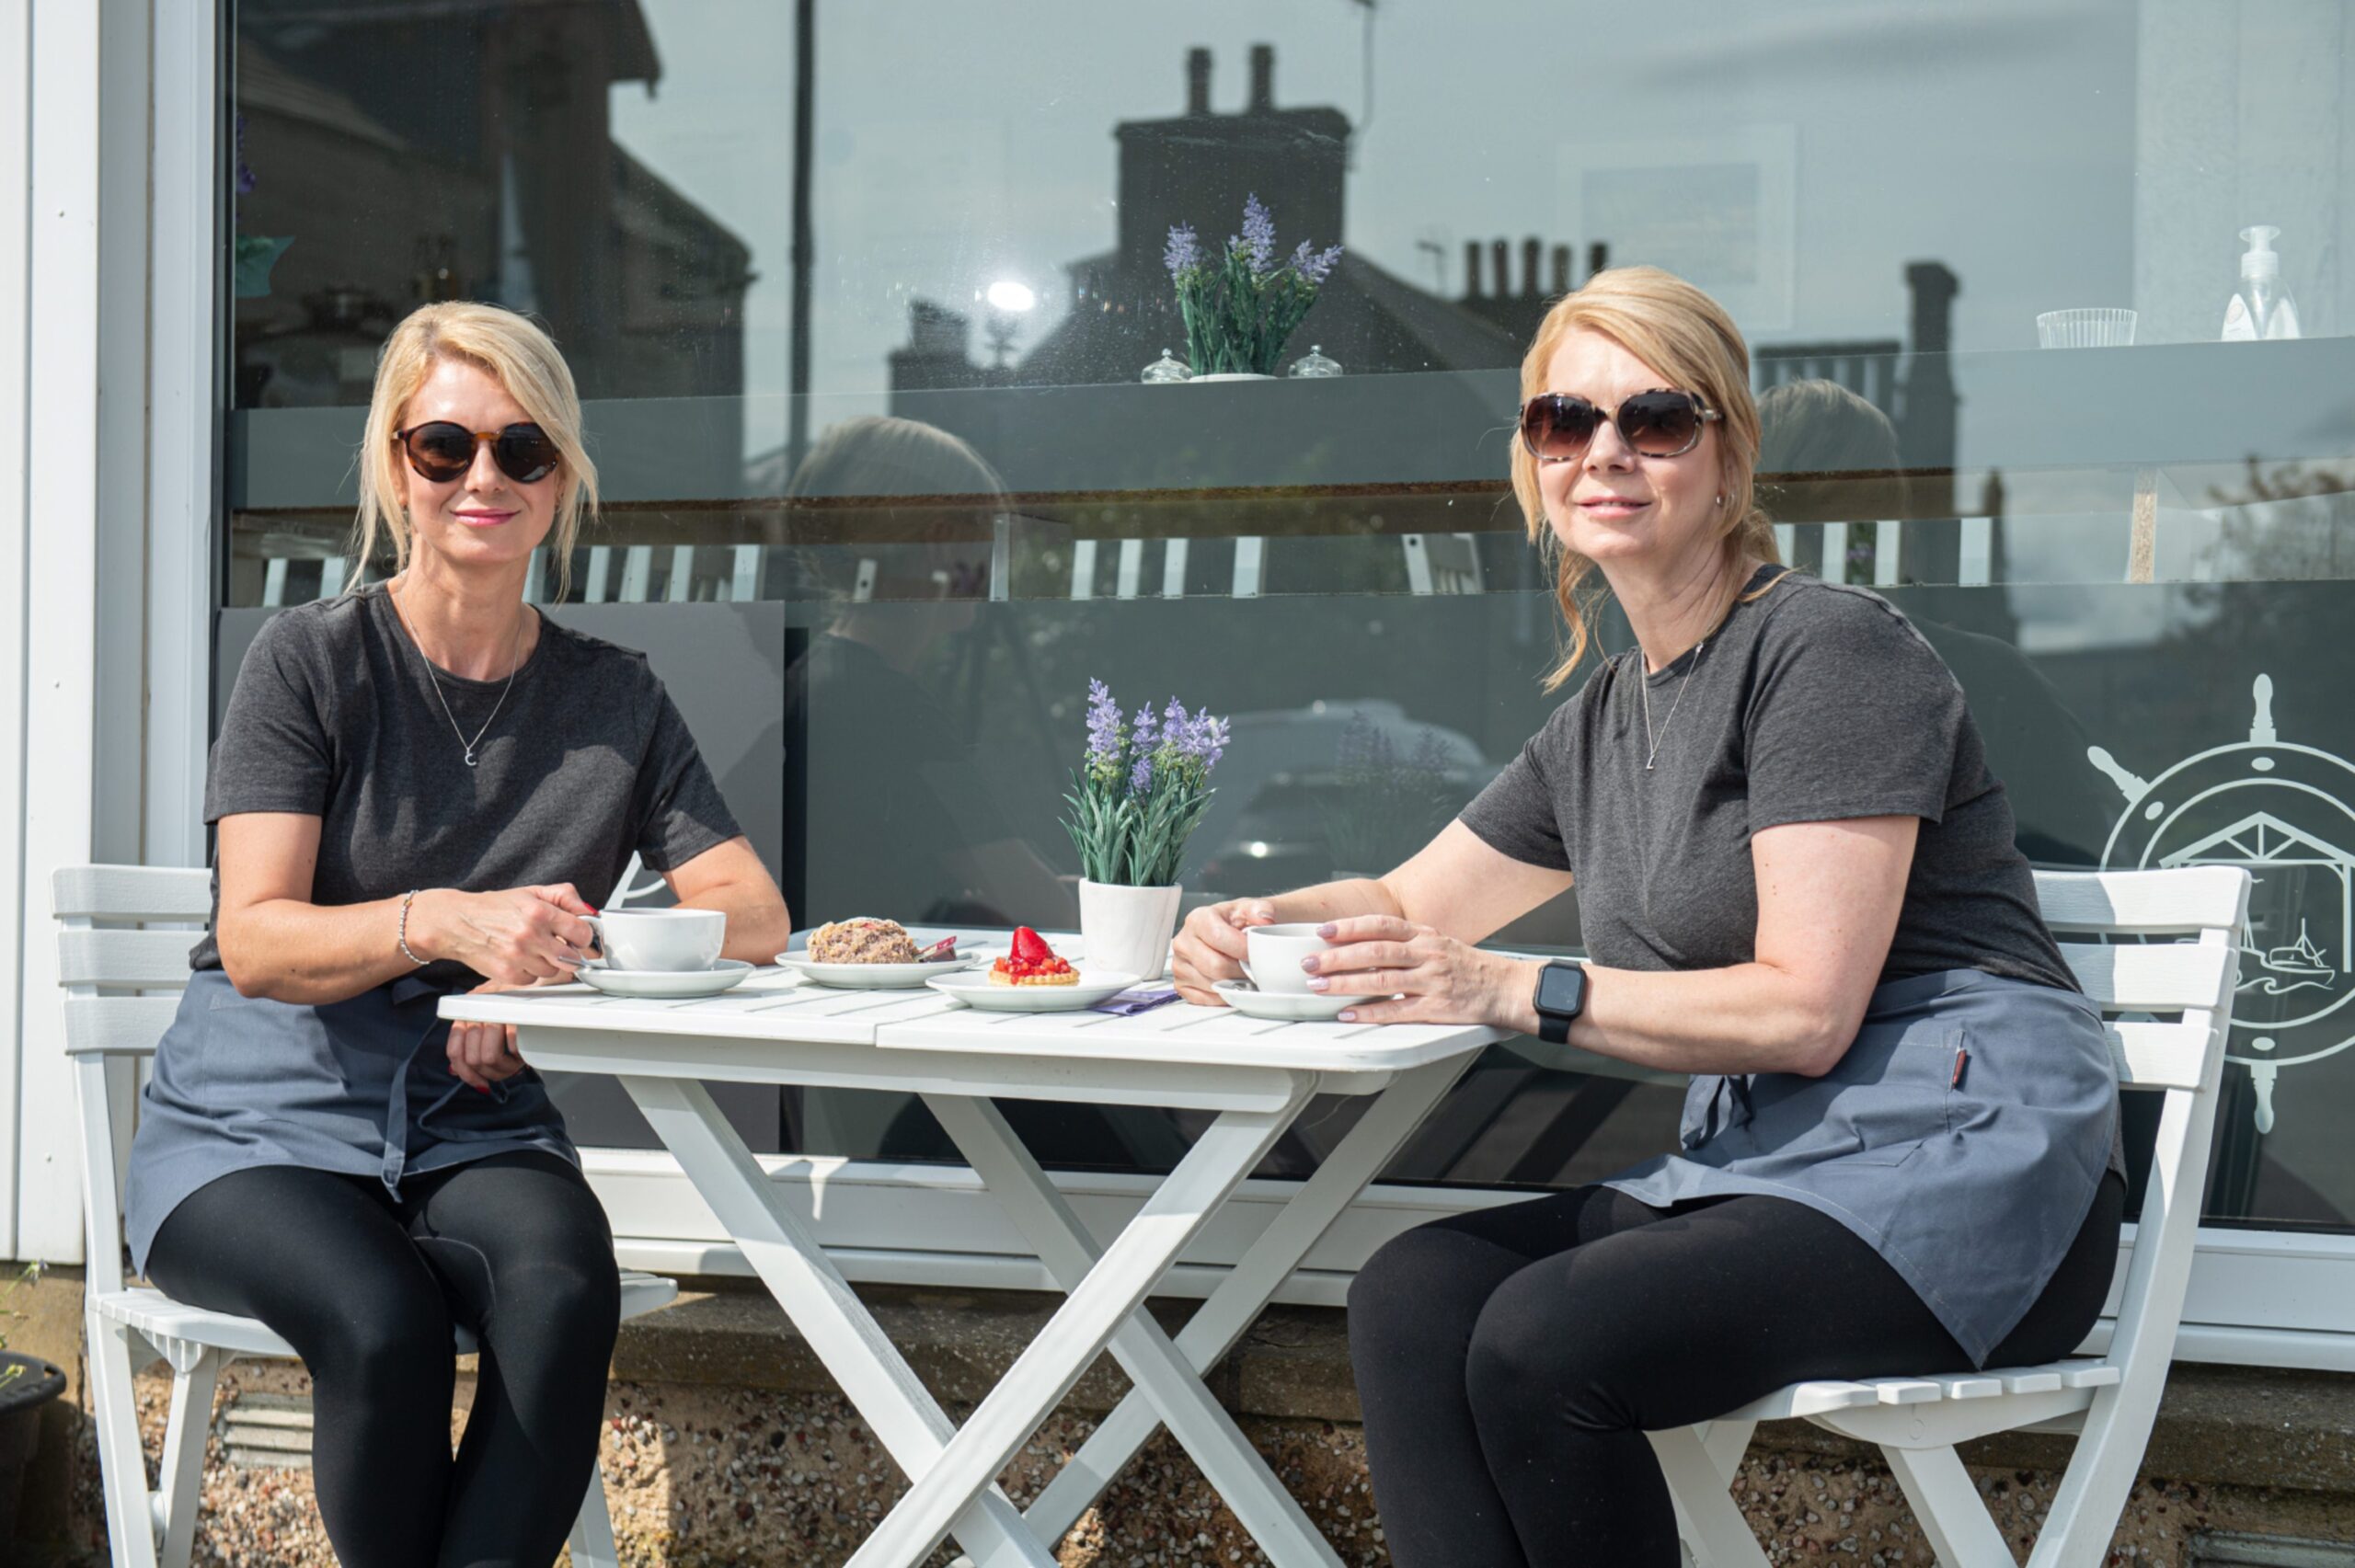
[[2280, 810]]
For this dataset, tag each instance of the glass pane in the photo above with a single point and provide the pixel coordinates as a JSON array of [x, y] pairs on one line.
[[887, 485]]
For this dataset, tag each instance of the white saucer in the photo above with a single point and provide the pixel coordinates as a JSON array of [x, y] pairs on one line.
[[874, 976], [1290, 1007], [974, 990], [721, 976]]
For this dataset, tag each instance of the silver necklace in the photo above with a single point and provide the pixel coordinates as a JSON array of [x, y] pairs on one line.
[[515, 667], [1644, 686]]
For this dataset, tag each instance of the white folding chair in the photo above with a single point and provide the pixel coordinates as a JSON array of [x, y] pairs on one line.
[[2107, 1401], [121, 991]]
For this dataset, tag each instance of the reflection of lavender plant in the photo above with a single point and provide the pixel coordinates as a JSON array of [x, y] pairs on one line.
[[1241, 304], [1142, 790], [1316, 265], [1183, 251], [1385, 807], [1259, 240], [251, 256], [246, 180]]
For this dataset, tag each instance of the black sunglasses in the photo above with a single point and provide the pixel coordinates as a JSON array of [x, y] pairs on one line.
[[441, 452], [1557, 427]]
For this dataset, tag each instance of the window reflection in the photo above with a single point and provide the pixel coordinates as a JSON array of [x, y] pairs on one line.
[[411, 153], [2131, 557]]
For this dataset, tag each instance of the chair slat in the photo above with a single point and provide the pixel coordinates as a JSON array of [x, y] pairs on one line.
[[1800, 1400], [132, 892], [1906, 1390], [117, 1025], [2154, 976], [2174, 902], [2158, 1056], [123, 957]]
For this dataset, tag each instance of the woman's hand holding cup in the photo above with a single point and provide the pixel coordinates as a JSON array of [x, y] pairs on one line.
[[1413, 974], [517, 936], [1211, 947]]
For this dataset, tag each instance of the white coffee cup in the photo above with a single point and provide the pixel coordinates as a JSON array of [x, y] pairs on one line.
[[1274, 955], [670, 941]]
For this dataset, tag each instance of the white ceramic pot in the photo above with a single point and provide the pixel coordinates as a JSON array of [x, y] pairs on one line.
[[1127, 928], [1229, 375]]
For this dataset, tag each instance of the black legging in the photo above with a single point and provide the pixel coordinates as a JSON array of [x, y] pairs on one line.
[[366, 1290], [1510, 1361]]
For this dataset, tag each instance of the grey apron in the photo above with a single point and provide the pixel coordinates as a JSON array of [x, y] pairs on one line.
[[1962, 1136], [361, 1087]]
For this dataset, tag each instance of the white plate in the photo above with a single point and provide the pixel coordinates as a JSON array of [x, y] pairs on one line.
[[974, 988], [649, 983], [874, 976], [1303, 1007]]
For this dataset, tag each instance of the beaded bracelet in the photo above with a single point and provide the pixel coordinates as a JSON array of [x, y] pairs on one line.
[[406, 952]]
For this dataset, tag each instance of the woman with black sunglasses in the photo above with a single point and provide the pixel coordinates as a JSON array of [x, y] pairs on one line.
[[421, 785], [1797, 883]]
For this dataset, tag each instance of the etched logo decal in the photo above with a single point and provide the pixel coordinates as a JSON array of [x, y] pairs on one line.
[[2282, 811]]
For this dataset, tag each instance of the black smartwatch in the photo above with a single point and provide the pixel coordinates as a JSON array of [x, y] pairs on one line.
[[1561, 996]]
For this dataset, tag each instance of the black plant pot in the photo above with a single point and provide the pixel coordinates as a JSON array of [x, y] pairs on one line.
[[27, 1383]]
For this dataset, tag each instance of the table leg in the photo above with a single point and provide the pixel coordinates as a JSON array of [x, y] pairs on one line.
[[1222, 1319], [878, 1380], [1234, 1469], [1091, 1313]]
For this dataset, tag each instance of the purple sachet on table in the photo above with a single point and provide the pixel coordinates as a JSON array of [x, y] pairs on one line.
[[1136, 999]]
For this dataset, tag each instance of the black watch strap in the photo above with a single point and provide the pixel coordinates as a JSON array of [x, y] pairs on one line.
[[1561, 997]]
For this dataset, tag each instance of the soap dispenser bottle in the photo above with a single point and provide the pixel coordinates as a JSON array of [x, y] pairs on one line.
[[2260, 308]]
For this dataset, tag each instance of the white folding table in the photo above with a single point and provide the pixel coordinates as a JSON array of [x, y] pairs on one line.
[[1256, 1076]]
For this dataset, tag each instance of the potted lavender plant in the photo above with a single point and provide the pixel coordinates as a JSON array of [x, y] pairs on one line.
[[1240, 305], [1138, 795]]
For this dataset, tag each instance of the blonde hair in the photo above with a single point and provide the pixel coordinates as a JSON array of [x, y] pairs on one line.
[[1687, 337], [512, 349]]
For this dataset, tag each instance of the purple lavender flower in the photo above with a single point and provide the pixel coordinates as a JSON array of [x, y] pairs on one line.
[[1259, 236], [1183, 251], [1145, 731], [1103, 722], [1141, 776], [1314, 265], [1206, 739]]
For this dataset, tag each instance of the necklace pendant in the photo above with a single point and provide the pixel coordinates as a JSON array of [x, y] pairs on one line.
[[470, 756]]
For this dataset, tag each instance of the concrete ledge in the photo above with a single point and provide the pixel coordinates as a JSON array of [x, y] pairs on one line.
[[2218, 1426]]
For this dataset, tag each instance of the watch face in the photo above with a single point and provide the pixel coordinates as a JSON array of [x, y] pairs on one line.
[[1561, 989]]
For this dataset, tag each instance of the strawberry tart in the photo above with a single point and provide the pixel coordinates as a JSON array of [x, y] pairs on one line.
[[1032, 963]]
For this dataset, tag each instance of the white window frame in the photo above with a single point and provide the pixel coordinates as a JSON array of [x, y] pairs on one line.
[[2257, 1297], [2264, 1298], [185, 379]]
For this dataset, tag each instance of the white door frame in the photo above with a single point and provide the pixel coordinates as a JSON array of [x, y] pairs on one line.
[[52, 62]]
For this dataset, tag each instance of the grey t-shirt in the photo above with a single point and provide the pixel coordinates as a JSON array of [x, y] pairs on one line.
[[1812, 702], [335, 716]]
